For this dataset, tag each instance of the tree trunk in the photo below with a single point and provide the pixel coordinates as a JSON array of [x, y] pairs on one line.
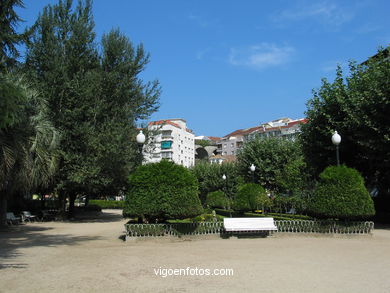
[[43, 201], [86, 200], [3, 208], [62, 204], [72, 198]]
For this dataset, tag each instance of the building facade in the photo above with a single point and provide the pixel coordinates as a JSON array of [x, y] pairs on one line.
[[171, 140], [232, 143], [285, 128]]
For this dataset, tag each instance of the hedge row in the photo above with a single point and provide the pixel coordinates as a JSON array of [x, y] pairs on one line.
[[108, 204], [276, 216]]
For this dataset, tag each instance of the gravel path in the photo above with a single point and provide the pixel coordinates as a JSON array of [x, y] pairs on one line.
[[89, 256]]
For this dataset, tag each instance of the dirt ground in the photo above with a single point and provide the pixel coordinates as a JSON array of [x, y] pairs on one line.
[[89, 256]]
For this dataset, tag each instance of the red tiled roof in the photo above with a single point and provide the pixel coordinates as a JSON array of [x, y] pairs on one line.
[[214, 138], [242, 132], [300, 121], [234, 133], [162, 122], [290, 124], [246, 131]]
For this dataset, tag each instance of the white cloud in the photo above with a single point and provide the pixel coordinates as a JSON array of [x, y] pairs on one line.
[[368, 28], [261, 56], [326, 12]]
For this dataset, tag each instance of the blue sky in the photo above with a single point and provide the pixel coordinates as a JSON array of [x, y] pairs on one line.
[[226, 65]]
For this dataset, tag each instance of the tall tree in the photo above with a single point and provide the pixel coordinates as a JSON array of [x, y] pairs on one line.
[[122, 98], [61, 58], [358, 107], [93, 100], [271, 156], [27, 145], [9, 38]]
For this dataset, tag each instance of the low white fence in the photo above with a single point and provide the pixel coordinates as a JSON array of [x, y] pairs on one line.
[[204, 228]]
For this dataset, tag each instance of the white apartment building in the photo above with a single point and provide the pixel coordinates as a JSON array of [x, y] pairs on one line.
[[171, 140], [285, 127]]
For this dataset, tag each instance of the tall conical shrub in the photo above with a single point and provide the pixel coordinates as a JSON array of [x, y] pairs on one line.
[[341, 194]]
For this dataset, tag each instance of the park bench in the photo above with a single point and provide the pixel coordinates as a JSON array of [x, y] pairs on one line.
[[11, 219], [48, 215], [27, 216], [249, 225]]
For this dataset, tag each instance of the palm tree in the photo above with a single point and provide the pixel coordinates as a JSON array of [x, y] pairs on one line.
[[28, 143]]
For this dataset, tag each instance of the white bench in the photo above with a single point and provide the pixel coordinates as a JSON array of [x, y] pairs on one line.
[[249, 224], [11, 219]]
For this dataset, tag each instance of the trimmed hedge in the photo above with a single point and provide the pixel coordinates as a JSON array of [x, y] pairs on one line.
[[217, 199], [226, 213], [276, 216], [108, 204], [162, 191], [251, 197], [290, 216], [341, 194]]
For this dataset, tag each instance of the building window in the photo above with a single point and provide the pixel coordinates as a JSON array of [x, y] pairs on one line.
[[166, 155], [166, 145]]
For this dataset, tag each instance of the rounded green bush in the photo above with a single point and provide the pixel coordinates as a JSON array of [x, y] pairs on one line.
[[161, 191], [341, 194], [217, 199], [251, 197]]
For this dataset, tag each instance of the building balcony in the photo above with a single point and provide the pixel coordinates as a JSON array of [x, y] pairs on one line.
[[167, 155], [166, 145], [166, 137]]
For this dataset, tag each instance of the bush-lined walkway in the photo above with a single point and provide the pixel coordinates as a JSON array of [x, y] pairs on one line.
[[88, 256]]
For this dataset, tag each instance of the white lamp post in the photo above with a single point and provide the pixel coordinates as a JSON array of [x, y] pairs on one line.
[[141, 137], [140, 140], [227, 197], [253, 169], [336, 139]]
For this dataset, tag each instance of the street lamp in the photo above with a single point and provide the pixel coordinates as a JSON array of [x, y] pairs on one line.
[[253, 169], [140, 140], [336, 139], [227, 197]]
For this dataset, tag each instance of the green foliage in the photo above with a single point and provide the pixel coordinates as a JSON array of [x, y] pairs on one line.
[[217, 199], [9, 38], [203, 142], [228, 213], [108, 204], [94, 97], [162, 191], [251, 197], [289, 216], [12, 102], [293, 179], [27, 144], [283, 204], [358, 107], [271, 156], [210, 178], [341, 194]]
